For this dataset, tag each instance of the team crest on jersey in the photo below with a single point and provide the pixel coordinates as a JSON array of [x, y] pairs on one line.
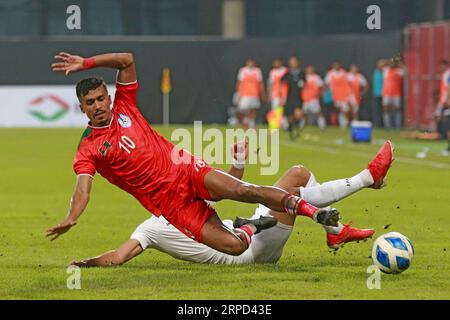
[[124, 120]]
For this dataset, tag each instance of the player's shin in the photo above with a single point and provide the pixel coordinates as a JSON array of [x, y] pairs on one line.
[[323, 195]]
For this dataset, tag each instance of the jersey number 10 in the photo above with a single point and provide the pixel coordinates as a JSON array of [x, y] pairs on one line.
[[126, 144]]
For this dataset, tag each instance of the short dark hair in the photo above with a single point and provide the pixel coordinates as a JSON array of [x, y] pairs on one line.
[[88, 84], [444, 62]]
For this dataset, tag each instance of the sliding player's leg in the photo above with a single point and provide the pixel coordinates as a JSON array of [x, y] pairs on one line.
[[329, 192], [300, 181], [343, 233], [270, 243], [221, 185], [325, 194]]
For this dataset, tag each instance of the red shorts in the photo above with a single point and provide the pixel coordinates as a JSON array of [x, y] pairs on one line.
[[189, 212]]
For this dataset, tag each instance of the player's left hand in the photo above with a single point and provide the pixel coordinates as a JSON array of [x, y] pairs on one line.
[[67, 63], [80, 264], [58, 230]]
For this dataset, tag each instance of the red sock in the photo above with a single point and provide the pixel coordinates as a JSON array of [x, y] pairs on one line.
[[298, 206], [306, 209], [248, 234]]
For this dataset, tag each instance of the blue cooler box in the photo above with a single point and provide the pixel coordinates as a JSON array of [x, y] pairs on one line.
[[361, 131]]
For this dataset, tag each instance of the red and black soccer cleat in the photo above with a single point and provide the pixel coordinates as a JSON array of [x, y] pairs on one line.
[[380, 165], [348, 234]]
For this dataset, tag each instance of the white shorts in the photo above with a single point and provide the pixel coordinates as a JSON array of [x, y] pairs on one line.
[[266, 246], [393, 101], [248, 103], [346, 106], [312, 106]]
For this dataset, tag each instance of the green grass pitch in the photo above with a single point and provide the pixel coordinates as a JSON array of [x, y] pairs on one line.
[[37, 181]]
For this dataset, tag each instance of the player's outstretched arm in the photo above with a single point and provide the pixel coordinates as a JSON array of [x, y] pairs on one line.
[[124, 253], [124, 62], [78, 203]]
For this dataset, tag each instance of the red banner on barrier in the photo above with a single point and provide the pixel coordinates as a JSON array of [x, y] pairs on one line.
[[425, 45]]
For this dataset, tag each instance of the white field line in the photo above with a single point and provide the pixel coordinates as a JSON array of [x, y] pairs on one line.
[[303, 145]]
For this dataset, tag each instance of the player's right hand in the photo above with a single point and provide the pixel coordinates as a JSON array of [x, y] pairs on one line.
[[58, 230], [239, 150], [67, 63]]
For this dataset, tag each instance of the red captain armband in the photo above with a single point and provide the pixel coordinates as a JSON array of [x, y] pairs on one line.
[[89, 63]]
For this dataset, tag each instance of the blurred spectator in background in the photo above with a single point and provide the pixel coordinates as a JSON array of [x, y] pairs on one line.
[[392, 94], [328, 108], [311, 93], [438, 116], [277, 90], [337, 80], [295, 80], [377, 88], [358, 85], [443, 107], [251, 91], [232, 111]]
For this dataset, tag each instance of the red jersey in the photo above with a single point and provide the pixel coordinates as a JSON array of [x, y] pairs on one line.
[[137, 159]]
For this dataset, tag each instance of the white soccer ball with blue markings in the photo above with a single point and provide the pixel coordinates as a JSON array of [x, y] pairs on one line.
[[392, 252]]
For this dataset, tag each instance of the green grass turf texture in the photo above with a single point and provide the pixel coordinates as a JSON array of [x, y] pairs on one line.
[[37, 181]]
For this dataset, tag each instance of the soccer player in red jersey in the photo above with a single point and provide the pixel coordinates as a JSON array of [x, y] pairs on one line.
[[121, 146]]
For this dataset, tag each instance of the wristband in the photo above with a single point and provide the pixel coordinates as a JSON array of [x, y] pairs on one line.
[[238, 164], [89, 63]]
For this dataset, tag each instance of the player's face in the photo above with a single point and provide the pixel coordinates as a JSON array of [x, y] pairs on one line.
[[277, 63], [96, 105], [294, 63], [250, 63], [380, 64]]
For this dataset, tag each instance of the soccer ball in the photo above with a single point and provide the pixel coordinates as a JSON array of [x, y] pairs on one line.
[[392, 252]]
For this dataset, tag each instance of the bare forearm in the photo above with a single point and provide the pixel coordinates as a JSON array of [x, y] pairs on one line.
[[105, 260], [118, 61], [78, 203], [237, 173], [124, 253]]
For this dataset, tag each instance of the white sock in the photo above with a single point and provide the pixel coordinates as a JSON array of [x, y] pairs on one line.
[[321, 122], [387, 120], [322, 195], [325, 194], [301, 123], [343, 121]]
